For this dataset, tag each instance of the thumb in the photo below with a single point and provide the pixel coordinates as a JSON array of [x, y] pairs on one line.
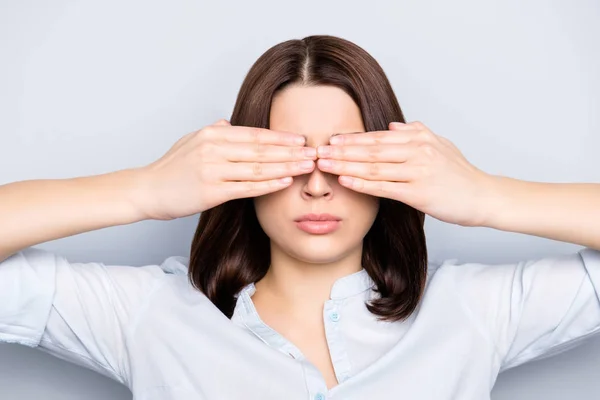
[[396, 125], [222, 122]]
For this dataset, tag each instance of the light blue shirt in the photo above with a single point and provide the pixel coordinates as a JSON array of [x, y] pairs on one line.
[[147, 328]]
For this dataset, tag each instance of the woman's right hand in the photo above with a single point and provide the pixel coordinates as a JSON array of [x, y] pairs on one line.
[[218, 163]]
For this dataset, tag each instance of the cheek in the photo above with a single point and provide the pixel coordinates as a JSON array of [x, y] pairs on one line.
[[360, 205], [269, 207]]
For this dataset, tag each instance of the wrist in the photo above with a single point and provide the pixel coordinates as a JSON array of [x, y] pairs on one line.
[[494, 202], [136, 189]]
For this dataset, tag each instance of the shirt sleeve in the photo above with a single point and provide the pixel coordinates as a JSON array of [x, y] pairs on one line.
[[79, 312], [533, 309]]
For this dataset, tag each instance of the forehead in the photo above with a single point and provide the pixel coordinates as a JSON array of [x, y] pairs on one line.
[[316, 112]]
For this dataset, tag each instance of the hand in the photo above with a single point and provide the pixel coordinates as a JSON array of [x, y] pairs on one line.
[[410, 164], [219, 163]]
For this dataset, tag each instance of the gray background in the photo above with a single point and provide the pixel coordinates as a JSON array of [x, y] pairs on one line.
[[92, 87]]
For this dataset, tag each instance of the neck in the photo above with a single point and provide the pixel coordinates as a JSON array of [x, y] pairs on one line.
[[299, 285]]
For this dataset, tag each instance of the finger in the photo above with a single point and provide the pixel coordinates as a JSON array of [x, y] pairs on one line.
[[375, 137], [404, 126], [267, 152], [246, 134], [373, 152], [258, 171], [391, 190], [238, 190], [374, 171], [222, 122]]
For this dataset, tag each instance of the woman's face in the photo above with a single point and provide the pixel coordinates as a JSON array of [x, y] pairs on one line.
[[316, 112]]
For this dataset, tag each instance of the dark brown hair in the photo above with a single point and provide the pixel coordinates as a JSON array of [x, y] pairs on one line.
[[230, 250]]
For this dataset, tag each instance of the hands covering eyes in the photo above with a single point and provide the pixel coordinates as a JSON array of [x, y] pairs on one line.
[[220, 162], [411, 164]]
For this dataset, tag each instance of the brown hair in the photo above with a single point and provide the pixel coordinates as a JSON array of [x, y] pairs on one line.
[[230, 250]]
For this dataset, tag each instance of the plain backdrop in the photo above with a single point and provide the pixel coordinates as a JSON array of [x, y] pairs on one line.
[[92, 87]]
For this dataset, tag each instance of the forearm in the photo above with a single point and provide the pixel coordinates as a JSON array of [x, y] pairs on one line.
[[568, 212], [37, 211]]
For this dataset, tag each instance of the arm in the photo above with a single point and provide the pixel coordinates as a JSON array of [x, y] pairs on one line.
[[528, 309], [568, 212], [80, 312], [37, 211]]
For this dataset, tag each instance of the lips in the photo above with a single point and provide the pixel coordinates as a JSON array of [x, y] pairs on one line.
[[318, 224], [318, 217]]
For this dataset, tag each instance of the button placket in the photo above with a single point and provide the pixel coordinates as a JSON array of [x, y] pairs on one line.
[[335, 340]]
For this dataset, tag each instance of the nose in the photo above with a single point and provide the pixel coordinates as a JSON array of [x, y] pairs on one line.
[[317, 185]]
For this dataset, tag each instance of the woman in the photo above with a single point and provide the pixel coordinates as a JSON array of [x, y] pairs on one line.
[[308, 276]]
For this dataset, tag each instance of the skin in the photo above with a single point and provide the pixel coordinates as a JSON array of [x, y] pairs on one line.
[[303, 263], [407, 163]]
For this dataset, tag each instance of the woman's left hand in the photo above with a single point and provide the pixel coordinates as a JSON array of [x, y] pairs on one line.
[[413, 165]]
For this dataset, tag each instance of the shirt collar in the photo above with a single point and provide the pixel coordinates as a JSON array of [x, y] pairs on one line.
[[351, 285], [344, 287], [245, 313]]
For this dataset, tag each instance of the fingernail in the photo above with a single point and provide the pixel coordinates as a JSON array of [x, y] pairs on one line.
[[306, 164], [300, 140], [310, 152], [324, 151], [335, 140], [325, 163]]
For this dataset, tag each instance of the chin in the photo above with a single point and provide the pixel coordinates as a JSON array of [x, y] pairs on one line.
[[317, 249], [322, 257]]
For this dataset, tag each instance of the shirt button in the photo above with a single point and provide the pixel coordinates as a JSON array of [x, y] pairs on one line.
[[334, 316], [319, 396]]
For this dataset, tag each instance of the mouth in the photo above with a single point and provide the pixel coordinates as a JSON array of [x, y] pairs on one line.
[[318, 224]]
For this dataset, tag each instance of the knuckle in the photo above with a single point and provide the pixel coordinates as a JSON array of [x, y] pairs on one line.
[[255, 134], [424, 135], [418, 125], [259, 149], [206, 132], [374, 169], [271, 184], [428, 150], [374, 152], [251, 187], [257, 169]]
